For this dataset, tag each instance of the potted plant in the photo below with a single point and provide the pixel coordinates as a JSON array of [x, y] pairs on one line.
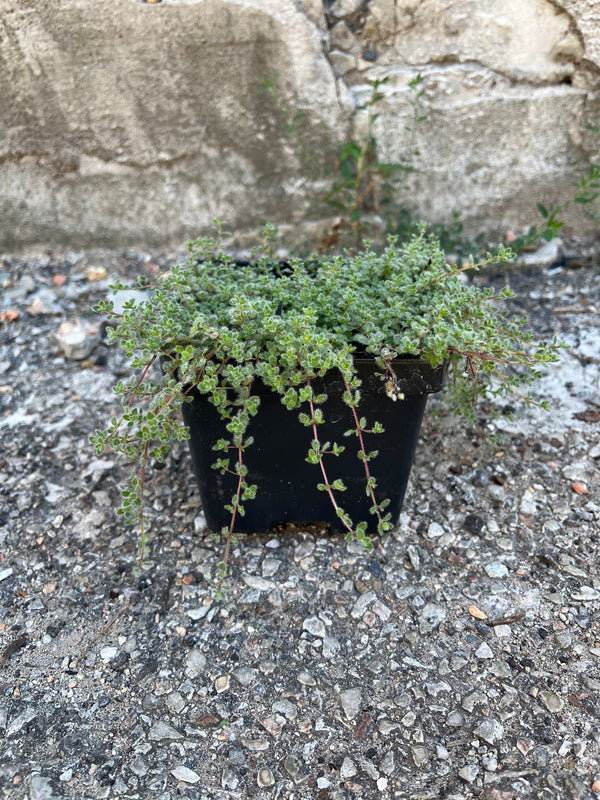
[[293, 376]]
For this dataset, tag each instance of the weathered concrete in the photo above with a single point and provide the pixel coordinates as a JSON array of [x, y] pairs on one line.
[[510, 88], [126, 122]]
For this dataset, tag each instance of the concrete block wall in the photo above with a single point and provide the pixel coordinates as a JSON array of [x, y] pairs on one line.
[[127, 123]]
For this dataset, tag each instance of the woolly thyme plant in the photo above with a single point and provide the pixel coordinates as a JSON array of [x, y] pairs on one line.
[[217, 327]]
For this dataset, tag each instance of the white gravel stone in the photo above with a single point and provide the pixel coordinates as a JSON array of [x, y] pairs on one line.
[[409, 719], [273, 724], [20, 721], [469, 772], [351, 700], [362, 604], [331, 647], [199, 522], [198, 613], [382, 611], [490, 763], [222, 683], [265, 778], [304, 549], [161, 730], [441, 753], [484, 651], [244, 676], [490, 730], [432, 615], [41, 788], [455, 719], [552, 701], [577, 471], [501, 670], [369, 768], [18, 417], [420, 755], [435, 530], [78, 339], [314, 626], [270, 566], [175, 702], [185, 774], [529, 503], [6, 573], [195, 663], [139, 766], [496, 569], [256, 582], [344, 8], [586, 594], [306, 679], [563, 639], [474, 699], [229, 780], [388, 765], [437, 687], [348, 768], [285, 707]]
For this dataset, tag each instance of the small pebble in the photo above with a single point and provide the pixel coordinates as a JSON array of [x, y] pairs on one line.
[[552, 701], [351, 700], [420, 755], [222, 683], [496, 569], [161, 730], [184, 774], [469, 773], [348, 768], [435, 530], [431, 617], [244, 676], [314, 626], [586, 593], [265, 777], [484, 651], [306, 679], [455, 719], [490, 730], [293, 767]]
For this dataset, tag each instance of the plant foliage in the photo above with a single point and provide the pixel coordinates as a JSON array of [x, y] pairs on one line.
[[216, 327]]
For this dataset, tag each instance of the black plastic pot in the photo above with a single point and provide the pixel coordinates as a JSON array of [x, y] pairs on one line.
[[287, 483]]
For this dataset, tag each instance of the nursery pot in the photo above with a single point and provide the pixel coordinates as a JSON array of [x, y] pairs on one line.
[[287, 483]]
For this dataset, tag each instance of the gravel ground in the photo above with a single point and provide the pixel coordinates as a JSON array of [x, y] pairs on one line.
[[458, 660]]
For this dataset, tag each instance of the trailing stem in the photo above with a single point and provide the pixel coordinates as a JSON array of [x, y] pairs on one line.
[[236, 505], [318, 451], [365, 459], [143, 536], [238, 426], [134, 394]]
